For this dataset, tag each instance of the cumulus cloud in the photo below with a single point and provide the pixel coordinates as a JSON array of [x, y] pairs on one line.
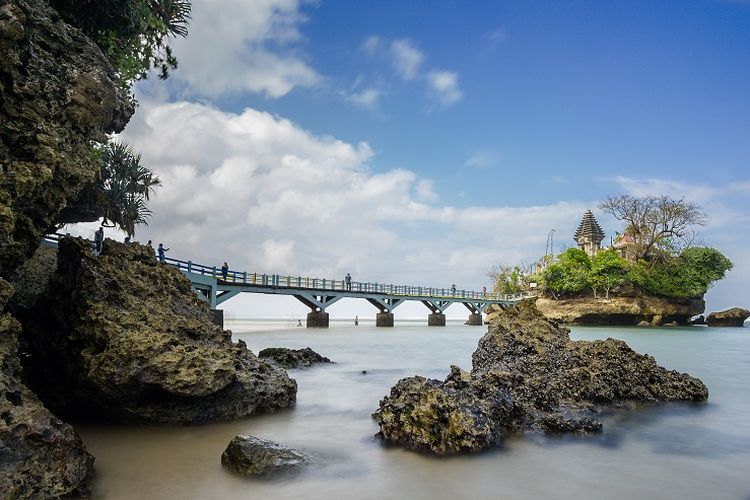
[[235, 46], [407, 59], [266, 195], [366, 98], [444, 86]]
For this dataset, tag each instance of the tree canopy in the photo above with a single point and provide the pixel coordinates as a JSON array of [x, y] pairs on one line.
[[654, 222]]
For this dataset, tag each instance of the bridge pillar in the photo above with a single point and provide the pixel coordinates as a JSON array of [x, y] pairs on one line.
[[317, 319], [384, 319], [475, 319], [217, 316], [436, 319]]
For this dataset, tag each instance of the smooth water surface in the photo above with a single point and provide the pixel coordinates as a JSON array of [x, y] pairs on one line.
[[682, 451]]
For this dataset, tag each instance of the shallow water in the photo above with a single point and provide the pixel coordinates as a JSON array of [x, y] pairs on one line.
[[685, 451]]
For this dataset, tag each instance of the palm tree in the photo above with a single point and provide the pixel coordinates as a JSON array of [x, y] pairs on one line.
[[127, 185]]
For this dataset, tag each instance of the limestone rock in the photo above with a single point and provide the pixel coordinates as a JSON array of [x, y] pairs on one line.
[[735, 316], [122, 337], [58, 92], [292, 358], [253, 456], [40, 456], [626, 311], [527, 375]]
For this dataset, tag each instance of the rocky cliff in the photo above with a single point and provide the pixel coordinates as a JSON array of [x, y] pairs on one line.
[[57, 93], [527, 376], [123, 337], [627, 311]]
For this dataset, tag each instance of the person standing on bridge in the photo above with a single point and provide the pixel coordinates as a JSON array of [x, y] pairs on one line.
[[224, 271], [98, 240], [348, 281], [453, 289], [161, 251]]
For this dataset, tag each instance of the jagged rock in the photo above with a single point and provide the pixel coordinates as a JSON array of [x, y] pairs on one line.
[[58, 92], [626, 311], [292, 358], [253, 456], [122, 337], [735, 316], [527, 375], [40, 456]]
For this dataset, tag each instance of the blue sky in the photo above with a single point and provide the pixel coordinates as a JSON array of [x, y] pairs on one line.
[[424, 141]]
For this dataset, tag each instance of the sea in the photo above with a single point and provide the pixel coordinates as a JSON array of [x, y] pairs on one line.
[[670, 451]]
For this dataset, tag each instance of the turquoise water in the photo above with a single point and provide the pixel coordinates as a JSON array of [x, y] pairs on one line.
[[684, 451]]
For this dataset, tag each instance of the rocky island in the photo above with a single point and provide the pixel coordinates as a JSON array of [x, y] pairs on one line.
[[527, 376]]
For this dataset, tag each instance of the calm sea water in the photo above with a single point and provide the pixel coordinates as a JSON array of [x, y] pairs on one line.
[[674, 451]]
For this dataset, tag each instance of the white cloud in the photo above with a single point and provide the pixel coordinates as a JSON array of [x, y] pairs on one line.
[[444, 86], [407, 59], [366, 98], [479, 161], [266, 195], [371, 44], [236, 46]]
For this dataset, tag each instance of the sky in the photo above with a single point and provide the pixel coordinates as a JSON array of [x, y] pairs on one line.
[[422, 142]]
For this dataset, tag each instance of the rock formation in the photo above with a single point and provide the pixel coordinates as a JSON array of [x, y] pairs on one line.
[[123, 337], [40, 456], [57, 93], [292, 358], [527, 376], [735, 316], [253, 456], [627, 311]]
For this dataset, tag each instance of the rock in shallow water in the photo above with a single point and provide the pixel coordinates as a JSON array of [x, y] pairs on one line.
[[735, 316], [122, 337], [292, 358], [527, 376], [253, 456]]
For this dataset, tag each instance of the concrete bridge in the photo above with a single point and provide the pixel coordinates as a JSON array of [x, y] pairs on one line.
[[318, 294], [216, 287]]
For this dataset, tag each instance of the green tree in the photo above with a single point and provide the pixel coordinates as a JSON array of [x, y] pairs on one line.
[[120, 193], [133, 34], [506, 279], [608, 272], [569, 275]]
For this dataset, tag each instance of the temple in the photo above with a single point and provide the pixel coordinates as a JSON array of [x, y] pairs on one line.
[[589, 234]]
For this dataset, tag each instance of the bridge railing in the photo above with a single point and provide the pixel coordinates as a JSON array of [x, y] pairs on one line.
[[304, 282], [279, 281]]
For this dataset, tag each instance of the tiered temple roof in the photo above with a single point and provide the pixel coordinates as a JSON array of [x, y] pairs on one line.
[[589, 229]]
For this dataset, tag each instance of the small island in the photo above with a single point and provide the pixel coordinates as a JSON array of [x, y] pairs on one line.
[[651, 274]]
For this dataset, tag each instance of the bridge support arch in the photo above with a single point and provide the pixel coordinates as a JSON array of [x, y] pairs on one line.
[[475, 312], [317, 317], [386, 306], [437, 308]]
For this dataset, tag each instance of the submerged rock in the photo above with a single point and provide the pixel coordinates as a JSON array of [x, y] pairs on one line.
[[735, 316], [253, 456], [292, 358], [527, 376], [40, 456], [122, 337]]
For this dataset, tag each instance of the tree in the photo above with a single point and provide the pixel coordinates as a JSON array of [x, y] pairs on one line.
[[133, 34], [654, 222], [120, 193], [506, 279], [569, 275], [608, 272]]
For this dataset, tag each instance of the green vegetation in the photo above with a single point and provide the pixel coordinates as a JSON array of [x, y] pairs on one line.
[[507, 279], [133, 34], [688, 274], [120, 193]]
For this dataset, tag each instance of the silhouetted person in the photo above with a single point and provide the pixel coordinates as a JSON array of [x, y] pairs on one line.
[[299, 322], [98, 239], [356, 320], [453, 289], [348, 281], [161, 251], [224, 271], [484, 291], [127, 240]]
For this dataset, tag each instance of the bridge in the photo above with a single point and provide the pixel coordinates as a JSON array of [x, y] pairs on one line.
[[216, 287]]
